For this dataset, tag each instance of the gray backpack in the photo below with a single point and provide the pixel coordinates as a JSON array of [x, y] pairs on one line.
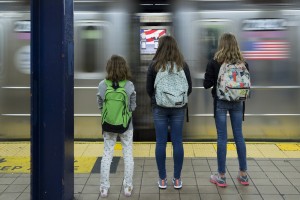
[[171, 88]]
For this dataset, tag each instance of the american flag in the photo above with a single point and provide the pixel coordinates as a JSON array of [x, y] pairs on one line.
[[152, 33], [267, 50]]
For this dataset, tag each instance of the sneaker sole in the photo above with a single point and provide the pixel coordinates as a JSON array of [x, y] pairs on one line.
[[218, 184], [161, 187], [177, 187], [127, 194]]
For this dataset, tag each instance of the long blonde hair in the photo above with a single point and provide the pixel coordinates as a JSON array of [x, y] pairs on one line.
[[117, 69], [228, 50], [168, 51]]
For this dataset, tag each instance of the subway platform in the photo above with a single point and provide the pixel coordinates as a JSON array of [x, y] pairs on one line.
[[273, 169]]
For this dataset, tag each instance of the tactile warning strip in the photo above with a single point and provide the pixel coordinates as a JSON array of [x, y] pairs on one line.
[[15, 156], [288, 147]]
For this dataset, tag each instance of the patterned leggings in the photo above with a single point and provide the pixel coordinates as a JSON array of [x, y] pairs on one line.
[[109, 144]]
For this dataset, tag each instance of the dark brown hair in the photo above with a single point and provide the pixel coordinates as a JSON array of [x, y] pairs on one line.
[[117, 69], [228, 50], [168, 51]]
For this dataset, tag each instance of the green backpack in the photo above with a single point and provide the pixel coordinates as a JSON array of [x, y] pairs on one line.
[[116, 116]]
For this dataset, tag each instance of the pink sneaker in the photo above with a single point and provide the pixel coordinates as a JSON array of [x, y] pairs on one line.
[[219, 181], [243, 180]]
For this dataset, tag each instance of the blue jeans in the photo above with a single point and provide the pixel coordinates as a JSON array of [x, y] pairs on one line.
[[236, 114], [163, 118]]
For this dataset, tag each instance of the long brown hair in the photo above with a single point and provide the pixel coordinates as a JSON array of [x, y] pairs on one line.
[[117, 69], [228, 50], [168, 51]]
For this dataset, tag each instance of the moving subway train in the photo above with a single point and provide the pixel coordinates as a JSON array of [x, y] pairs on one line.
[[268, 36]]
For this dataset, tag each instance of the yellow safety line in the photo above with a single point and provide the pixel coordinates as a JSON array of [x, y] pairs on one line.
[[15, 156], [15, 164]]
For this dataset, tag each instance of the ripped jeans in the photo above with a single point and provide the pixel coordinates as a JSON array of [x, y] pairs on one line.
[[109, 144]]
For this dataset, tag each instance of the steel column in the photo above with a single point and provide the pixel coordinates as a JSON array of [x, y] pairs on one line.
[[52, 100]]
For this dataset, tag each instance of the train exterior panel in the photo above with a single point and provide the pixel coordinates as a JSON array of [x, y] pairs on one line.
[[268, 37], [269, 40], [97, 36]]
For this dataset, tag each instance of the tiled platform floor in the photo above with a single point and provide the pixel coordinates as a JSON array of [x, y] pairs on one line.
[[271, 178]]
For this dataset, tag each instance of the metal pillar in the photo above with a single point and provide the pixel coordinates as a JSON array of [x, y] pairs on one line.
[[52, 100]]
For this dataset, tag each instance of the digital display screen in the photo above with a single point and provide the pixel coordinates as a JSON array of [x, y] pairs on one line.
[[149, 40]]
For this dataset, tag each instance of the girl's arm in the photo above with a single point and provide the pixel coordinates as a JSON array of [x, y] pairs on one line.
[[100, 94], [209, 76], [150, 80], [188, 77], [132, 99]]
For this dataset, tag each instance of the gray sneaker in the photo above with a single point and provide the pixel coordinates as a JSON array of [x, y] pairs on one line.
[[177, 183], [162, 183]]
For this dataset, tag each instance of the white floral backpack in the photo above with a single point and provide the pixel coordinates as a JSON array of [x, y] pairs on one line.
[[233, 82], [171, 88]]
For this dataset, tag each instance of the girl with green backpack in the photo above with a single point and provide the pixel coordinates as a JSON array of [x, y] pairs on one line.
[[116, 99]]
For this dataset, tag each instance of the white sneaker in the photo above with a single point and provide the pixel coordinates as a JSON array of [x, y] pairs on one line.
[[103, 192], [128, 190]]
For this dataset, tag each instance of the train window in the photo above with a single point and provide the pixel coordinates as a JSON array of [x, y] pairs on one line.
[[90, 35], [22, 52], [207, 33], [90, 49]]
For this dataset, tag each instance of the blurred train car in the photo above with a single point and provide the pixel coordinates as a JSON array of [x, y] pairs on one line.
[[101, 28], [14, 70], [268, 34]]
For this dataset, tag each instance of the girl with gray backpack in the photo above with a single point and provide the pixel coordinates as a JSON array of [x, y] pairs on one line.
[[168, 85], [228, 74]]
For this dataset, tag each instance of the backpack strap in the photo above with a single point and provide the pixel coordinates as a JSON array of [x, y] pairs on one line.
[[122, 83], [215, 106], [187, 113], [109, 83], [244, 110]]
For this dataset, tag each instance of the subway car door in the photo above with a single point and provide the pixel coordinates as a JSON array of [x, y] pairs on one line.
[[90, 61]]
